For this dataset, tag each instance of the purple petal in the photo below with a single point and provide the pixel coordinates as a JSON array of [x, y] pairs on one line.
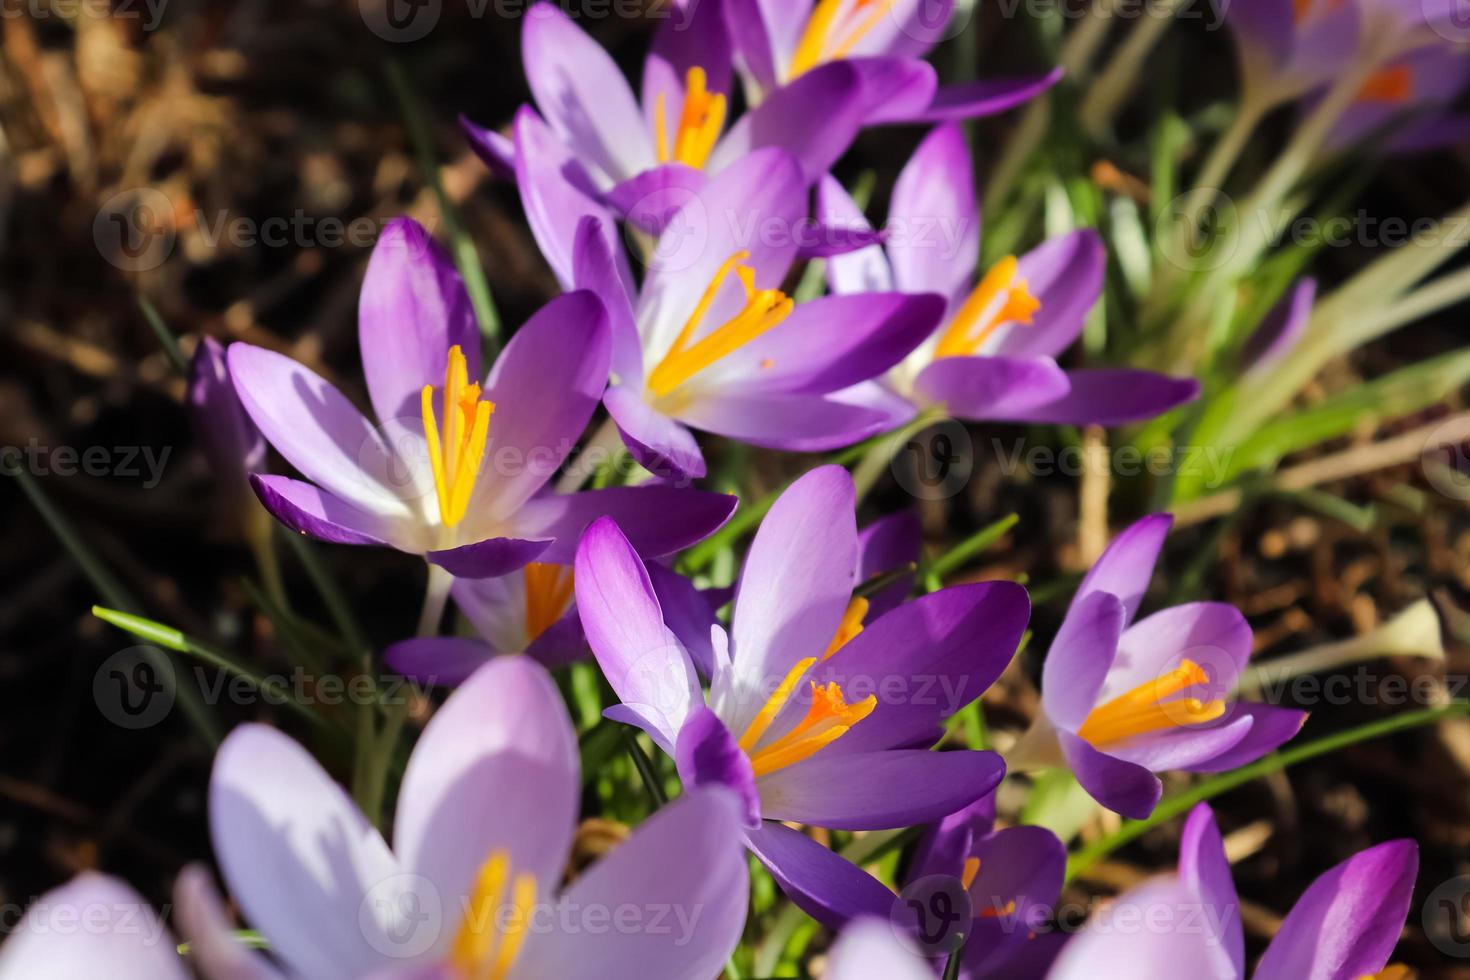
[[1021, 865], [298, 856], [1347, 923], [1263, 28], [795, 585], [894, 90], [910, 29], [561, 643], [504, 727], [651, 199], [602, 267], [93, 926], [885, 545], [688, 613], [1112, 396], [1151, 932], [1272, 727], [878, 790], [556, 194], [445, 660], [795, 423], [865, 270], [1212, 634], [234, 446], [658, 520], [1080, 657], [642, 660], [992, 389], [692, 35], [1066, 274], [947, 844], [760, 30], [545, 386], [819, 240], [310, 510], [1184, 746], [583, 95], [1121, 786], [934, 219], [488, 558], [707, 754], [659, 444], [1127, 566], [830, 343], [686, 858], [318, 430], [1280, 330], [815, 118], [1205, 870], [496, 151], [822, 884], [413, 308], [214, 947], [925, 660], [986, 98]]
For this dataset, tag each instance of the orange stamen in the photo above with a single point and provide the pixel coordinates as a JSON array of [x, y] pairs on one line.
[[456, 452], [549, 590], [1143, 710], [852, 625], [1000, 298], [700, 122]]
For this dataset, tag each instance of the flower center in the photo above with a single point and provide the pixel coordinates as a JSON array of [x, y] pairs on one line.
[[456, 451], [548, 594], [492, 932], [1394, 85], [700, 122], [1000, 298], [763, 310], [1143, 710], [829, 36]]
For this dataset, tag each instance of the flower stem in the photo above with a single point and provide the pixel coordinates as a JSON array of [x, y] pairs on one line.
[[644, 765], [436, 595]]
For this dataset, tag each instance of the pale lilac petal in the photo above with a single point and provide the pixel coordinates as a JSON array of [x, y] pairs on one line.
[[991, 389], [300, 859], [1121, 786], [924, 661], [795, 585], [1280, 330], [600, 265], [934, 221], [642, 660], [659, 444], [1127, 566], [796, 423], [878, 790], [651, 199], [1184, 746], [556, 194], [319, 431], [93, 926], [310, 510], [658, 520], [504, 727], [822, 884], [972, 100], [1347, 923], [234, 446], [871, 950], [1205, 870], [496, 150], [685, 858], [1080, 656], [442, 660], [1112, 396], [910, 29], [213, 946], [1272, 727], [583, 95], [865, 270], [688, 612], [764, 33], [545, 386], [815, 118], [488, 558], [1212, 634], [413, 308], [707, 754], [1066, 274]]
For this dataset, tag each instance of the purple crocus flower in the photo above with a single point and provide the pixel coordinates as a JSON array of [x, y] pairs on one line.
[[710, 341], [472, 883], [1014, 877], [1123, 700], [993, 356], [231, 442], [93, 926], [453, 470], [1287, 48], [1279, 331], [1188, 923], [807, 728], [1410, 100], [623, 148], [780, 42]]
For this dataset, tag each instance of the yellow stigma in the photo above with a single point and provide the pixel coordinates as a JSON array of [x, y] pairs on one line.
[[1394, 86], [549, 590], [817, 42], [828, 718], [1143, 710], [852, 625], [491, 934], [764, 309], [972, 868], [699, 123], [999, 299], [457, 452]]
